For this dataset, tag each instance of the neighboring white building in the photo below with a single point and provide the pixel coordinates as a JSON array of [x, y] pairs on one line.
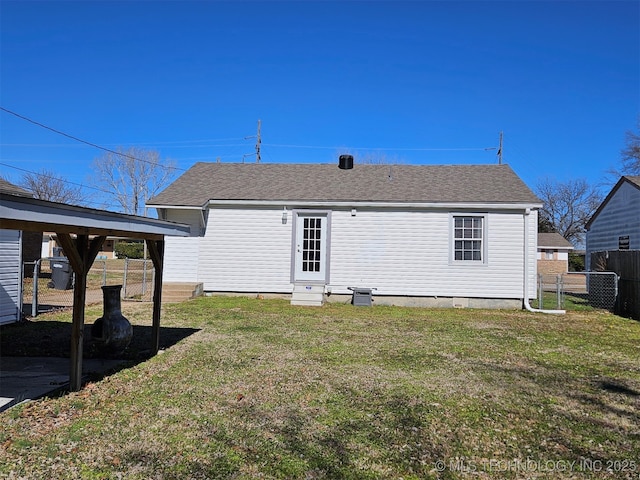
[[616, 223], [463, 235]]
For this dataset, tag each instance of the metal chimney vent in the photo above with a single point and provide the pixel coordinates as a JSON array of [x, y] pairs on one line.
[[345, 162]]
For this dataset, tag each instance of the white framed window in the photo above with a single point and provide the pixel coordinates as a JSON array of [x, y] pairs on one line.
[[549, 254], [469, 238]]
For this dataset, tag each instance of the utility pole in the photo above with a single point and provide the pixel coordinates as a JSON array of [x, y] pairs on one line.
[[500, 150]]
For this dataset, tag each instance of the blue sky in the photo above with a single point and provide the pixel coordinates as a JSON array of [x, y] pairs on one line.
[[419, 82]]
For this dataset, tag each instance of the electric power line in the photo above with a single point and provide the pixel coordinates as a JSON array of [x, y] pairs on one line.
[[55, 178], [376, 148], [257, 144], [68, 145], [42, 125]]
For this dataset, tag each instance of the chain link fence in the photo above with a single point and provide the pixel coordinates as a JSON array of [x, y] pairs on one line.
[[575, 290], [47, 284]]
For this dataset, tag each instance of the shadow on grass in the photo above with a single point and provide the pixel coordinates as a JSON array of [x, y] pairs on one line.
[[393, 430], [53, 339], [29, 341], [585, 408], [616, 387]]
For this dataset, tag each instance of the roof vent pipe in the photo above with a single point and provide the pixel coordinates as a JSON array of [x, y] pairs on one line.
[[345, 162]]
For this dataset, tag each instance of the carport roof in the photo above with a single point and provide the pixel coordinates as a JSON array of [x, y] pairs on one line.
[[18, 212]]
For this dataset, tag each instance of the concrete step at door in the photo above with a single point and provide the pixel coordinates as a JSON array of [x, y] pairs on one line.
[[308, 295], [178, 292]]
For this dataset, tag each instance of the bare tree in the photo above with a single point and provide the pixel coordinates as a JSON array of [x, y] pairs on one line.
[[568, 206], [630, 155], [133, 175], [46, 185], [629, 158], [544, 226]]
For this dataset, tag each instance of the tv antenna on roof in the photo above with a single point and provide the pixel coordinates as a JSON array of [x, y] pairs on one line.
[[258, 142], [499, 153]]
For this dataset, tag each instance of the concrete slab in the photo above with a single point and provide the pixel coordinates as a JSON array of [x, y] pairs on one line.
[[30, 378]]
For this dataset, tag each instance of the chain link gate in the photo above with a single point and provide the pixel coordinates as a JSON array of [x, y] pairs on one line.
[[579, 289], [47, 283]]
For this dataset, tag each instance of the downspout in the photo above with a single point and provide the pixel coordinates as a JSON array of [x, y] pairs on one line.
[[525, 296]]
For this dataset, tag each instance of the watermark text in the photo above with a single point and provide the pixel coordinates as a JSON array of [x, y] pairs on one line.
[[494, 465]]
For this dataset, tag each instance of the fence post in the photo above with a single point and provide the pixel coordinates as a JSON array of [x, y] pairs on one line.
[[144, 276], [34, 297], [540, 291], [104, 273], [124, 281], [153, 281], [559, 291]]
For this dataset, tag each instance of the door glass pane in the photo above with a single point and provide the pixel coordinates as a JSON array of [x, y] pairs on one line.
[[312, 244]]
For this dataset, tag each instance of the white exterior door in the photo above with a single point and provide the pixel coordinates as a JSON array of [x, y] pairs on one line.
[[311, 247]]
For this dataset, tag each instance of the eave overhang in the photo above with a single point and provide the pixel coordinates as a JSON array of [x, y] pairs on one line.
[[516, 206]]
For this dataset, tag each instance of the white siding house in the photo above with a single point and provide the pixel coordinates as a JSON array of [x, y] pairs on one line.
[[419, 235], [10, 276], [616, 223]]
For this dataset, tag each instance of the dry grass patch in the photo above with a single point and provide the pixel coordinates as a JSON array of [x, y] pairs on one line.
[[261, 389]]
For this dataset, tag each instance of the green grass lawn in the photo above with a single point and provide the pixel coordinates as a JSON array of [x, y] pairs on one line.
[[263, 389], [568, 301]]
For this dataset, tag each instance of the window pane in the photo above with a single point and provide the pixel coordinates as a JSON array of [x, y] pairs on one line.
[[467, 233]]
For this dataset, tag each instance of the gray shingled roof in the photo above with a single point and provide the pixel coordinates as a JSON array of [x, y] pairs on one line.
[[634, 179], [553, 240], [10, 188], [364, 183]]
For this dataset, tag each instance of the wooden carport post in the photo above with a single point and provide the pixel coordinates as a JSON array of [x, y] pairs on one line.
[[81, 255], [156, 251]]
